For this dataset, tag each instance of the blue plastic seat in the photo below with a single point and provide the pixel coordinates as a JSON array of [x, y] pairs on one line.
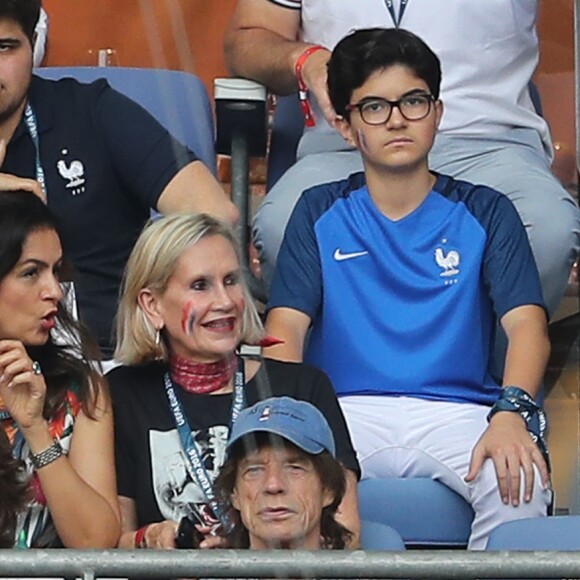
[[376, 536], [423, 511], [550, 533], [178, 100]]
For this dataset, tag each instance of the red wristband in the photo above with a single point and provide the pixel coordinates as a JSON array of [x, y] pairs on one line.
[[302, 89], [140, 541]]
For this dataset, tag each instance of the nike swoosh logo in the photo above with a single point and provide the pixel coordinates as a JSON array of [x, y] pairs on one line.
[[339, 256]]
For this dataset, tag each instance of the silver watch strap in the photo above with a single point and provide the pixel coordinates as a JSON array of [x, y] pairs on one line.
[[47, 456]]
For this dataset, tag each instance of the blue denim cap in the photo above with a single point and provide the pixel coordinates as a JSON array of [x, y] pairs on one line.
[[297, 421]]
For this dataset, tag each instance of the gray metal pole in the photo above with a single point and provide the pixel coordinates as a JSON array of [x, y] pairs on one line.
[[288, 564], [241, 189]]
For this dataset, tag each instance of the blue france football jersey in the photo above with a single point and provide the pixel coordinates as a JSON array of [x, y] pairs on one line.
[[406, 307]]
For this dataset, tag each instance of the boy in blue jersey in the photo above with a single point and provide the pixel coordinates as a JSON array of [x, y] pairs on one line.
[[401, 275]]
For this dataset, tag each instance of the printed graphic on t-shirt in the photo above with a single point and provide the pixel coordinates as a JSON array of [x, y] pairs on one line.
[[35, 528], [177, 493]]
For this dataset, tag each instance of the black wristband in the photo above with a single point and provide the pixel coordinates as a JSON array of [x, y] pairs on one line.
[[516, 400]]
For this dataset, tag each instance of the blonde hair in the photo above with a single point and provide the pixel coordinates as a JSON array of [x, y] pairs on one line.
[[151, 264]]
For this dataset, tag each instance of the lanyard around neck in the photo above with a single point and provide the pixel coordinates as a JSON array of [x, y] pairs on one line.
[[32, 126], [195, 465], [391, 8]]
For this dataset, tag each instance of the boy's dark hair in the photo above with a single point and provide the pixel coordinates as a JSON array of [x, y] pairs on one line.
[[24, 12], [363, 52], [14, 491]]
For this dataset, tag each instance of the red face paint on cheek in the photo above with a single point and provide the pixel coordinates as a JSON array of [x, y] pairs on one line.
[[188, 318]]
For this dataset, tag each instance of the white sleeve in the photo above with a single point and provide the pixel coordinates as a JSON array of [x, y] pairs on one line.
[[41, 31]]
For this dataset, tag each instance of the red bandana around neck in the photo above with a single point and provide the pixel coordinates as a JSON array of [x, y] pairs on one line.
[[202, 378]]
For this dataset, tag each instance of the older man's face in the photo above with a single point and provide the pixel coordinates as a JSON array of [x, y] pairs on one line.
[[280, 498]]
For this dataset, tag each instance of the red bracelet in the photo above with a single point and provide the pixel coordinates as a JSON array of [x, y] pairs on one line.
[[302, 89], [140, 541]]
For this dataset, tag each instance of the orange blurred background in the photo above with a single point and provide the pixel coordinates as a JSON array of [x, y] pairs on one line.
[[187, 35]]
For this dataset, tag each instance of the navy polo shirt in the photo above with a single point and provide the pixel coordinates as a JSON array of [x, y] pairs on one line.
[[106, 162]]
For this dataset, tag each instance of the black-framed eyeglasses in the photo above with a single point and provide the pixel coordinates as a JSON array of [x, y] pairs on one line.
[[377, 111]]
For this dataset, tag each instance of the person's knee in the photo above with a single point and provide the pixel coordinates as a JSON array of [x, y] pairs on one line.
[[554, 235], [485, 494], [554, 231]]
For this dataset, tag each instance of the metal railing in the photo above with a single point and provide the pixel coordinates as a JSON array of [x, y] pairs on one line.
[[436, 564]]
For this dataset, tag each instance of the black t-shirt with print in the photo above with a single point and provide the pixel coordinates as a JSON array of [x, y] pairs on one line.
[[151, 467]]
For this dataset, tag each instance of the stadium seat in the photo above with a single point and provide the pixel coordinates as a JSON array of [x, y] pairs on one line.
[[375, 536], [423, 511], [178, 100], [551, 533]]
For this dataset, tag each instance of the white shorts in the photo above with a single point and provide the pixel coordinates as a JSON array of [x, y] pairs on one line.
[[408, 437]]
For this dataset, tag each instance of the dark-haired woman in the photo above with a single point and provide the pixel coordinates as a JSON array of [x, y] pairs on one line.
[[14, 492], [53, 405]]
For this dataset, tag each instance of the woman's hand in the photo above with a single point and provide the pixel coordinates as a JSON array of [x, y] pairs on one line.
[[9, 182], [22, 390], [161, 536], [211, 541]]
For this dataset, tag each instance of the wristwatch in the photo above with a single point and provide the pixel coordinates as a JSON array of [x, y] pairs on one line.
[[47, 456]]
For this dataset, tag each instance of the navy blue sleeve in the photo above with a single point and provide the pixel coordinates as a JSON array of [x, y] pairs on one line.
[[145, 155], [298, 280], [509, 269]]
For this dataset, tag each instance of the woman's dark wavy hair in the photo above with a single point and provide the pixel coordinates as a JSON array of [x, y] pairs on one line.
[[364, 52], [24, 12], [330, 471], [63, 366], [14, 491]]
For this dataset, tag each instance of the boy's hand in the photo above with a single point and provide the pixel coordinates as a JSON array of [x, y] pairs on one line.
[[508, 444]]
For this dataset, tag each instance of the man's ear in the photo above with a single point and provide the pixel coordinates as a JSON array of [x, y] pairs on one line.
[[327, 498], [343, 127], [149, 304], [439, 109]]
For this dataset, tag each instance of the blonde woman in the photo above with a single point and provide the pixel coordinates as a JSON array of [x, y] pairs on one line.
[[183, 314]]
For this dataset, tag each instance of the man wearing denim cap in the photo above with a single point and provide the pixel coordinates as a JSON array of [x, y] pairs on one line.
[[281, 481]]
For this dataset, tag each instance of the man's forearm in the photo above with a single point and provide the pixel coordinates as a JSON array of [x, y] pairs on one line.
[[264, 56]]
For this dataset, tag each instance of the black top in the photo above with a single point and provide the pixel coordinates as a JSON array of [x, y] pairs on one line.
[[150, 463], [106, 162]]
